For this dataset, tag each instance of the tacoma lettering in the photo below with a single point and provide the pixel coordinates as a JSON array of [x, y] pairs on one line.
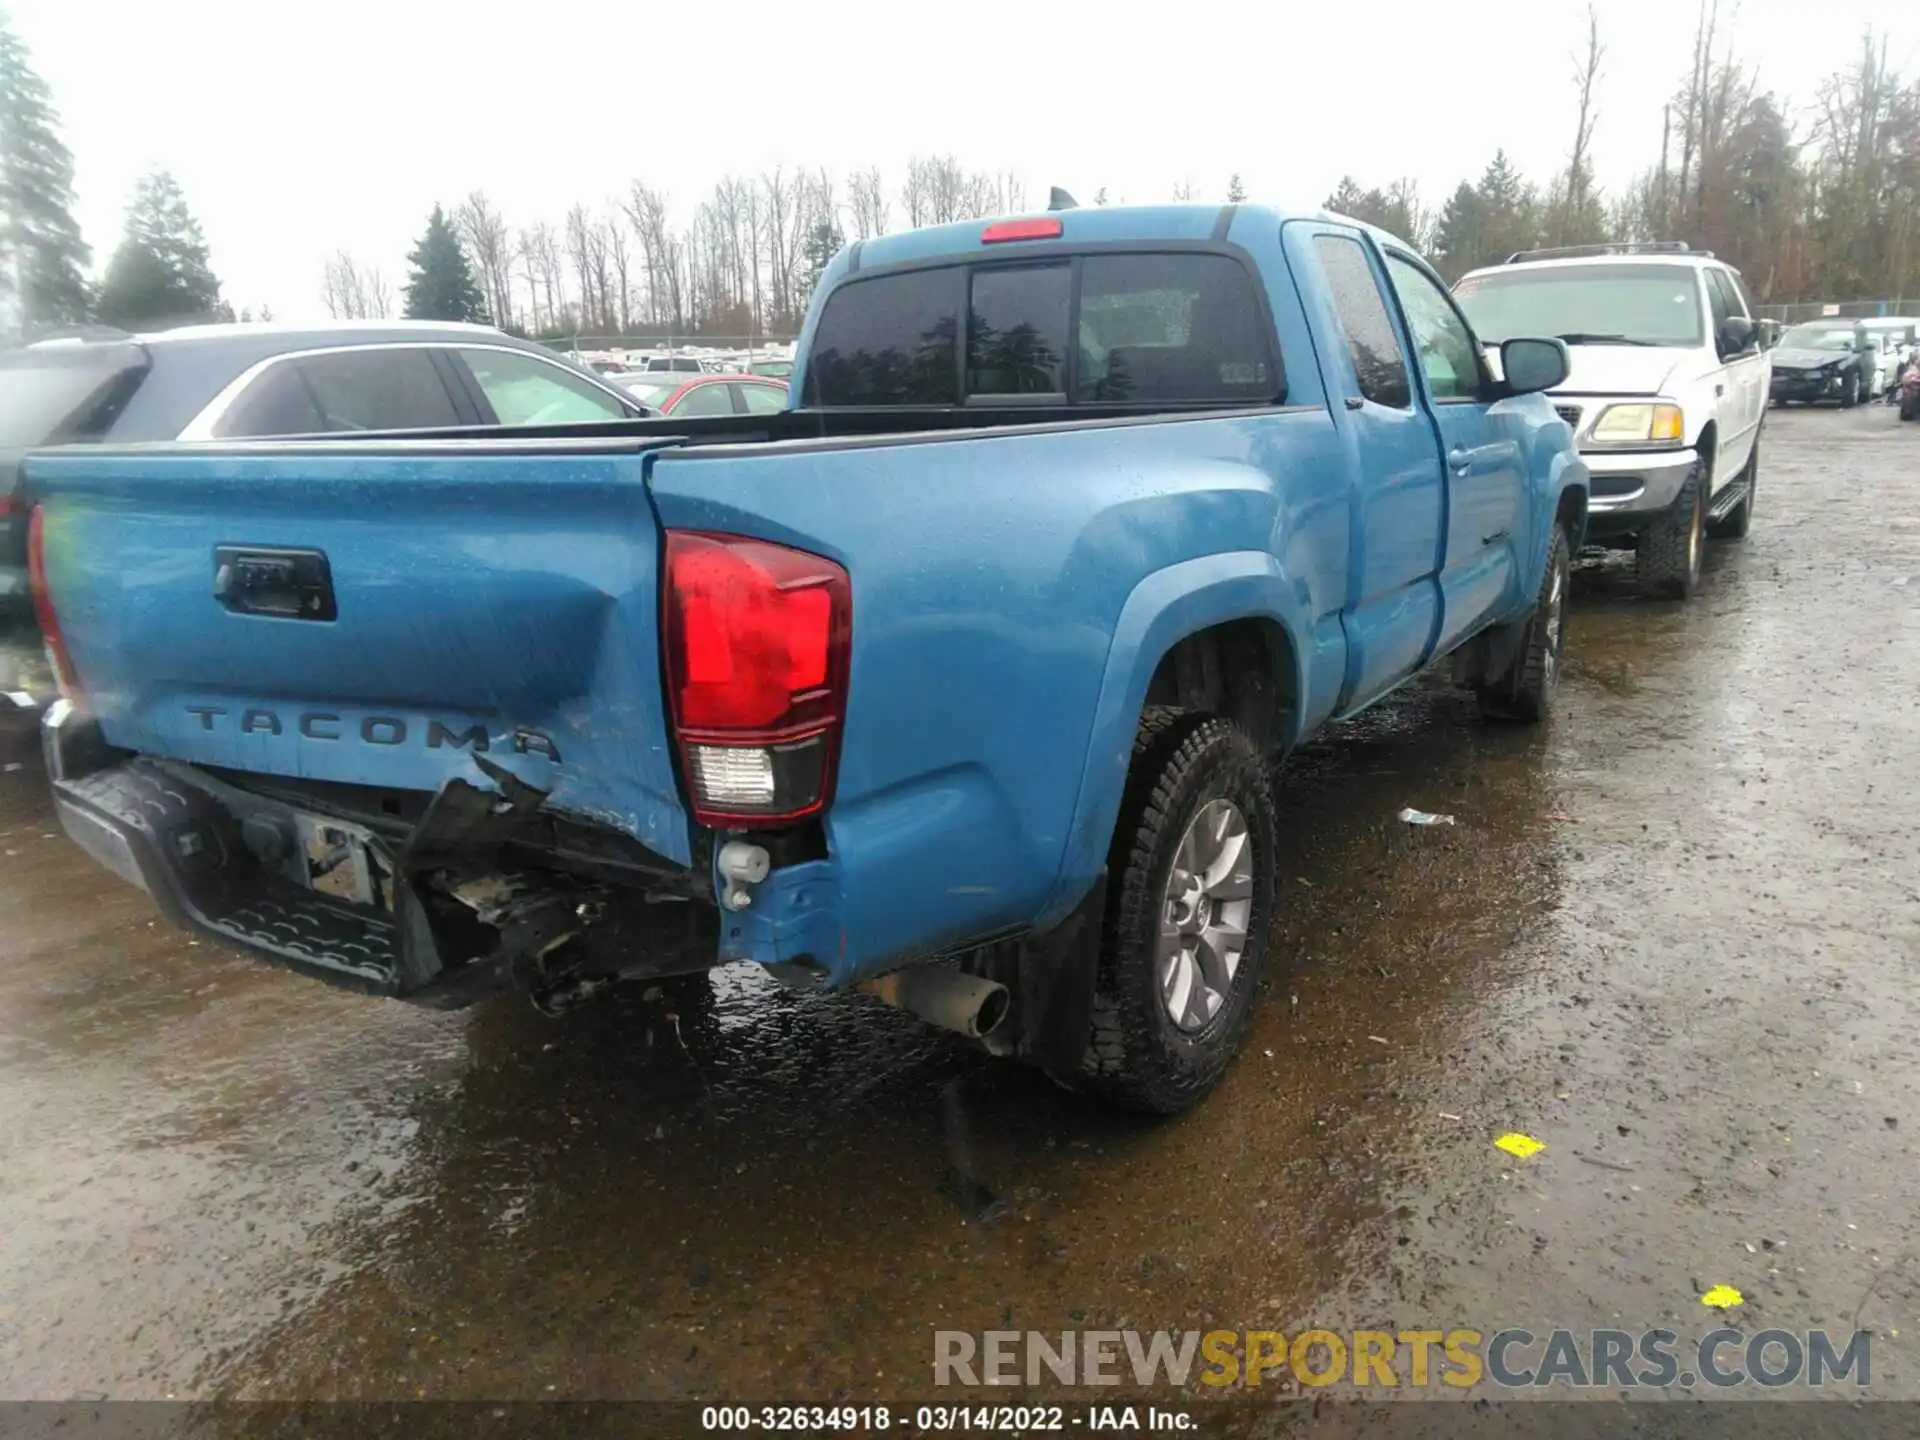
[[387, 731]]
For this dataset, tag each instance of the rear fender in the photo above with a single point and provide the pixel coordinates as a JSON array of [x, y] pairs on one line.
[[1163, 609]]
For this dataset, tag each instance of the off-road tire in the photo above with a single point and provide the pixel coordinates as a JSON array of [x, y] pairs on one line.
[[1136, 1056], [1666, 560], [1736, 522], [1525, 692]]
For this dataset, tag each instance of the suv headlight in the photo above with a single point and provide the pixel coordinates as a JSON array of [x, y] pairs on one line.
[[1639, 425]]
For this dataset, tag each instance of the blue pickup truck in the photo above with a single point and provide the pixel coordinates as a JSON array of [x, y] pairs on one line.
[[961, 682]]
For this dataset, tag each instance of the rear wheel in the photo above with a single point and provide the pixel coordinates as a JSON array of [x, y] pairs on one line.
[[1667, 555], [1192, 869]]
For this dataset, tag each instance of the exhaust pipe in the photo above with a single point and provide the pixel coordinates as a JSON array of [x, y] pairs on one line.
[[952, 999]]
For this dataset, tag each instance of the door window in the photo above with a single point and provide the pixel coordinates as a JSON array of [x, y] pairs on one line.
[[1364, 322], [1449, 355], [384, 388], [764, 399], [706, 400], [526, 390]]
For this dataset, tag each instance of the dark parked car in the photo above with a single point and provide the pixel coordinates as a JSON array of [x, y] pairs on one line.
[[709, 394], [224, 382], [1825, 362]]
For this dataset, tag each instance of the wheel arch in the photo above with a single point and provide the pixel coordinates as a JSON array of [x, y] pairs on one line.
[[1224, 634]]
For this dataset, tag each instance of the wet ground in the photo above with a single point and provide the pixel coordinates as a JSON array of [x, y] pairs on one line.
[[1674, 937]]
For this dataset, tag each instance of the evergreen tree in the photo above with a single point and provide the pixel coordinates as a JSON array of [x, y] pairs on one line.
[[441, 285], [42, 257], [159, 272], [1459, 240], [1236, 192], [1510, 211], [824, 241]]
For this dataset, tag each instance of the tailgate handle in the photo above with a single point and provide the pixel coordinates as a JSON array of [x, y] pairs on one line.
[[266, 580]]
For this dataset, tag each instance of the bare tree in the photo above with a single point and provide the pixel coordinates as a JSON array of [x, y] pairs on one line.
[[544, 268], [980, 195], [1183, 192], [619, 264], [867, 203], [1586, 71], [352, 291], [661, 255], [484, 230], [780, 216]]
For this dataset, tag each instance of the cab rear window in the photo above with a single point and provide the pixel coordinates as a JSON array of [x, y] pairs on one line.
[[1125, 327]]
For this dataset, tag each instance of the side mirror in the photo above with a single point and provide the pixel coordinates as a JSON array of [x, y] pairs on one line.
[[1530, 365], [1736, 335], [1769, 334]]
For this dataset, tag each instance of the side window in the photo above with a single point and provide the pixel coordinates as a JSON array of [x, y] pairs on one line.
[[1017, 331], [1716, 298], [1364, 322], [1449, 357], [526, 390], [276, 403], [764, 399], [1742, 301], [706, 400], [383, 388], [391, 388]]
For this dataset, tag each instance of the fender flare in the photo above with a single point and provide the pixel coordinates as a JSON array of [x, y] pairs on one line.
[[1164, 608], [1564, 471]]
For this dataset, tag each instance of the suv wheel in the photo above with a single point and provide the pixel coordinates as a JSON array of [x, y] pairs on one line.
[[1193, 865], [1667, 555], [1525, 692]]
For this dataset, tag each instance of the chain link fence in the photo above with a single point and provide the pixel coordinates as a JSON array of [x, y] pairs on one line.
[[667, 341], [1805, 310]]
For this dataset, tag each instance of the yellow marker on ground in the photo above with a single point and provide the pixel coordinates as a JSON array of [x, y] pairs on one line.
[[1519, 1146], [1722, 1297]]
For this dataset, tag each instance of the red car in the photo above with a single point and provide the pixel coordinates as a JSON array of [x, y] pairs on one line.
[[671, 394]]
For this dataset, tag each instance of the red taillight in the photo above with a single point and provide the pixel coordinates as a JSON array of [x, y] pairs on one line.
[[1004, 230], [6, 506], [57, 656], [756, 646]]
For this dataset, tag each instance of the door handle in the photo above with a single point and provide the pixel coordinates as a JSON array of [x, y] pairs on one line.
[[1459, 461]]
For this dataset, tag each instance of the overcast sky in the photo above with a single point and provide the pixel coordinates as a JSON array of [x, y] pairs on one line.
[[341, 127]]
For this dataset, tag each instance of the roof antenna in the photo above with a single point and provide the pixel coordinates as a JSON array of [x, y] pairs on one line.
[[1058, 199]]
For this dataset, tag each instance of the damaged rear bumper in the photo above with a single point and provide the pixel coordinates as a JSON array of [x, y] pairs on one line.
[[438, 914]]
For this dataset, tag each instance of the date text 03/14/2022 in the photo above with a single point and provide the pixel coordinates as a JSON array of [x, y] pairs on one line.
[[943, 1419]]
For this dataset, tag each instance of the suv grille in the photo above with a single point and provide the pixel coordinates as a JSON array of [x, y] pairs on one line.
[[1569, 413]]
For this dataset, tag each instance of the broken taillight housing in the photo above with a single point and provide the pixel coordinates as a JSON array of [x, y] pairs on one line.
[[57, 657], [756, 640]]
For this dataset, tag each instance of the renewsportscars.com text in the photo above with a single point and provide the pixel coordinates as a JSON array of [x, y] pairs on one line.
[[1510, 1358]]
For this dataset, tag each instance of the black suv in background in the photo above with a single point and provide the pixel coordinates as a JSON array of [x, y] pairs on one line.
[[231, 382]]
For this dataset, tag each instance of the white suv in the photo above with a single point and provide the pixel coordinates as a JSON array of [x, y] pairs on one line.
[[1666, 394]]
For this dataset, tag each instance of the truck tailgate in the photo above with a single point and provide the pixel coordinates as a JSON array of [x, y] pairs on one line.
[[375, 616]]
